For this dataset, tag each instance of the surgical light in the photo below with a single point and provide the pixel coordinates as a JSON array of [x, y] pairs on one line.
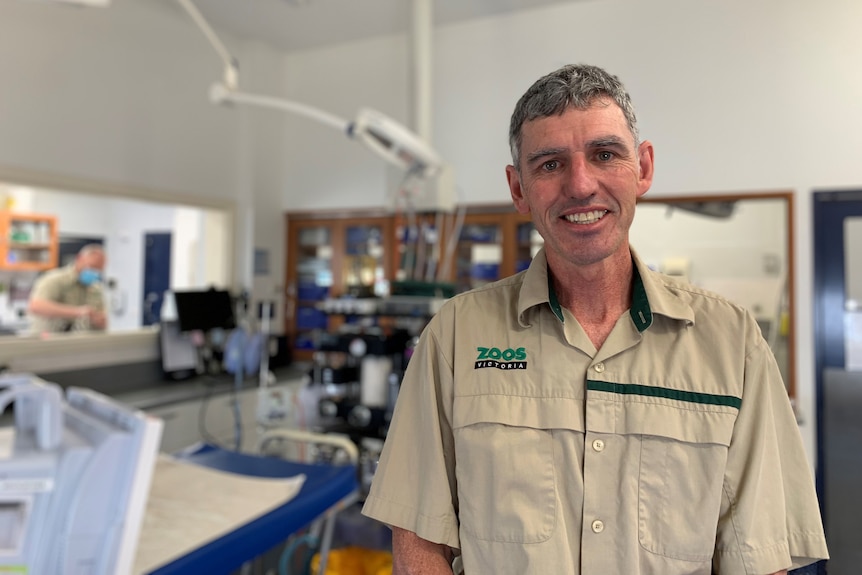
[[383, 135]]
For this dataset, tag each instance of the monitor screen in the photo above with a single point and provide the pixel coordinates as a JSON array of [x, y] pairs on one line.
[[204, 310]]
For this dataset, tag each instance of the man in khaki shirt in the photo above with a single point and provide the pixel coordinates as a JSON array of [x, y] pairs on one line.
[[70, 298], [590, 416]]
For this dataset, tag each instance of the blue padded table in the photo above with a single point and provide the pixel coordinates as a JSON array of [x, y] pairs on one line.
[[324, 487]]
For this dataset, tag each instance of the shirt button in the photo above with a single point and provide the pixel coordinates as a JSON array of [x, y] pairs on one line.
[[599, 367], [598, 445], [598, 526]]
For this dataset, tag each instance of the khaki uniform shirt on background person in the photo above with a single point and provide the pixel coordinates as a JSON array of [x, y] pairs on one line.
[[61, 285], [520, 444]]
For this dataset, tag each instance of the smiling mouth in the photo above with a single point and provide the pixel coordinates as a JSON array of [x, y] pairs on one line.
[[586, 217]]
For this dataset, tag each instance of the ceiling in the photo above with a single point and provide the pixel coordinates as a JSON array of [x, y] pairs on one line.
[[304, 24]]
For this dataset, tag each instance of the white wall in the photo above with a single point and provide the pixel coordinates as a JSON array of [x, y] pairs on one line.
[[324, 169], [116, 94], [264, 178], [82, 215], [187, 261]]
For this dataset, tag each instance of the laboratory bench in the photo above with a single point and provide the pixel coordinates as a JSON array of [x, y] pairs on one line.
[[165, 392]]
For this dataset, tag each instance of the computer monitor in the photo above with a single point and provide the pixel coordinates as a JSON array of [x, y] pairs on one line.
[[204, 310]]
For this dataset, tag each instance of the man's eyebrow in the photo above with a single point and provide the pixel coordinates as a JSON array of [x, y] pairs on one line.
[[607, 142], [543, 153]]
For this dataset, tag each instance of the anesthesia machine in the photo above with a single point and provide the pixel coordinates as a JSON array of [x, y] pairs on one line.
[[75, 473]]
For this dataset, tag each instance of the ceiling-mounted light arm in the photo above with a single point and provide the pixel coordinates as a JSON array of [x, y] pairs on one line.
[[385, 136], [395, 143], [219, 94], [231, 71]]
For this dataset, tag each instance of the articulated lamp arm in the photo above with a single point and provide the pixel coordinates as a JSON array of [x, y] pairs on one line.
[[383, 135], [231, 72]]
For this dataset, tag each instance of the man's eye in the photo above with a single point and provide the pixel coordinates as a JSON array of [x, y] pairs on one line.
[[550, 165], [605, 156]]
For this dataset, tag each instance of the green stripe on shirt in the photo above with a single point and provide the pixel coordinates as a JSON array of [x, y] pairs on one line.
[[665, 392]]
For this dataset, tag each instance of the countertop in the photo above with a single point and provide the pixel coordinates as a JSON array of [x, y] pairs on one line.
[[167, 392]]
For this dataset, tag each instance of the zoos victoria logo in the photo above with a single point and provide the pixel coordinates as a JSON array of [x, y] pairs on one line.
[[501, 358]]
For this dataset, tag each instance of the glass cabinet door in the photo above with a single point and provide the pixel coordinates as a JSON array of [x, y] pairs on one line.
[[331, 258], [479, 256], [528, 242], [493, 246], [363, 272], [313, 283], [314, 263]]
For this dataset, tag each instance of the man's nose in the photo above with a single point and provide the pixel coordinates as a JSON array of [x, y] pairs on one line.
[[582, 181]]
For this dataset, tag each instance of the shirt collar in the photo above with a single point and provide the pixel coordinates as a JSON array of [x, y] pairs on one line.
[[535, 289], [652, 293]]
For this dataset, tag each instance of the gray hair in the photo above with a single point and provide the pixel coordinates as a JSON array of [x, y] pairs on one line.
[[90, 249], [572, 86]]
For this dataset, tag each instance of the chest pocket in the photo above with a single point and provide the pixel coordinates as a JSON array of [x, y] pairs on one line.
[[507, 488], [681, 477]]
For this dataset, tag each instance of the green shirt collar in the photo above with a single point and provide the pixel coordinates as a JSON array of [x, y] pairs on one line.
[[640, 310], [553, 301]]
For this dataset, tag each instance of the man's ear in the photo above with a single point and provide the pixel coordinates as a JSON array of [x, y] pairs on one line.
[[517, 191], [646, 166]]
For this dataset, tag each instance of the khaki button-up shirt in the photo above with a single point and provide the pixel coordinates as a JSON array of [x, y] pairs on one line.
[[672, 450], [61, 285]]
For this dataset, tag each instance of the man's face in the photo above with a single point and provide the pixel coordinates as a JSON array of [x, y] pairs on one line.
[[580, 178], [94, 260]]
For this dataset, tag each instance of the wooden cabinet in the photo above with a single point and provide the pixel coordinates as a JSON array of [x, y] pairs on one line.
[[360, 255], [28, 242], [327, 258]]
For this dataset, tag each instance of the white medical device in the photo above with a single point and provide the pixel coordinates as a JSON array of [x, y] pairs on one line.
[[75, 473]]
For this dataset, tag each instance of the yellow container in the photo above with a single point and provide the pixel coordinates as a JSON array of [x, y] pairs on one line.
[[355, 561]]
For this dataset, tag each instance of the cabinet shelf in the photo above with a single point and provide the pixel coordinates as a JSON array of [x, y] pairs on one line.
[[28, 242], [28, 246]]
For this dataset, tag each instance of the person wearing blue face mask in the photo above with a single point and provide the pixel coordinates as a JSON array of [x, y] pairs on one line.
[[70, 298]]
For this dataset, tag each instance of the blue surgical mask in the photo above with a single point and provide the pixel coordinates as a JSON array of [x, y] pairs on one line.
[[89, 276]]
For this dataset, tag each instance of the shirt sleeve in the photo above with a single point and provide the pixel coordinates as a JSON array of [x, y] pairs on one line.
[[414, 486], [48, 287], [770, 517]]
